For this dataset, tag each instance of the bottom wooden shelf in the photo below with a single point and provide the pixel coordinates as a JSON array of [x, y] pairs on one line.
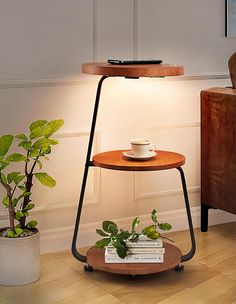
[[172, 257]]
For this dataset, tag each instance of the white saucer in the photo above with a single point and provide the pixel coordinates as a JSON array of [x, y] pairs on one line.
[[130, 154]]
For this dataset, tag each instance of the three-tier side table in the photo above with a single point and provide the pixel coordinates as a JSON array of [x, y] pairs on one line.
[[114, 160]]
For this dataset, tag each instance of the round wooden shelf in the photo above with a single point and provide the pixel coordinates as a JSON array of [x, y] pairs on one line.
[[172, 257], [115, 160], [134, 70]]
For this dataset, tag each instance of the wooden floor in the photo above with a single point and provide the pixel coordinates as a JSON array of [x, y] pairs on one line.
[[210, 277]]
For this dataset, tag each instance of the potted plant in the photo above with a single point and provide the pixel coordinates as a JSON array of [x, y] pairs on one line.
[[19, 242]]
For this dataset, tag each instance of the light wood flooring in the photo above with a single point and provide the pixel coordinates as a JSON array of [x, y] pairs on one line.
[[210, 277]]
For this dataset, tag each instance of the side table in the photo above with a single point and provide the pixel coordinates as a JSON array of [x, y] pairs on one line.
[[114, 160]]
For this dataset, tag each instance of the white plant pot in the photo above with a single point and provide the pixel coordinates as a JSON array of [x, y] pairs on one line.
[[19, 260]]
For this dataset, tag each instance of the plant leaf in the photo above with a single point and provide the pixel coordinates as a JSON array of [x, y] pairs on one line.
[[54, 126], [25, 144], [3, 164], [45, 179], [135, 224], [123, 235], [53, 141], [24, 195], [40, 131], [18, 231], [37, 123], [14, 202], [38, 162], [11, 176], [153, 235], [15, 157], [34, 153], [32, 224], [18, 179], [22, 188], [154, 215], [148, 229], [101, 232], [42, 143], [21, 136], [19, 214], [164, 226], [3, 178], [46, 150], [103, 243], [106, 224], [10, 234], [29, 207], [113, 229], [5, 143], [121, 250], [5, 201]]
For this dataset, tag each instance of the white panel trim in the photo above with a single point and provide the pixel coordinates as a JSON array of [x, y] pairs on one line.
[[97, 178], [147, 195], [48, 82], [95, 30], [136, 30], [59, 239], [194, 124], [174, 192]]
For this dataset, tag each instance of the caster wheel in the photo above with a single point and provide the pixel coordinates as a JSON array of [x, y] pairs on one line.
[[88, 268], [179, 268], [132, 276]]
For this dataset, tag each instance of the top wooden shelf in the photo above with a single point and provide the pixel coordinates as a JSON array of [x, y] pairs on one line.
[[134, 70]]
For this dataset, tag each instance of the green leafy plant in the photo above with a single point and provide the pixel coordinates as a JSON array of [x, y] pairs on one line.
[[118, 238], [36, 145]]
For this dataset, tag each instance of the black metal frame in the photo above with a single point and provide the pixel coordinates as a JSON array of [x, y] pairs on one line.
[[89, 163]]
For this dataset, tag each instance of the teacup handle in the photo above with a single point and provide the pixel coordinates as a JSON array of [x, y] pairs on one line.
[[152, 147]]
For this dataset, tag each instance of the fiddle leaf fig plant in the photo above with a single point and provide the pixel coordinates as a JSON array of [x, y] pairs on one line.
[[35, 146], [118, 238]]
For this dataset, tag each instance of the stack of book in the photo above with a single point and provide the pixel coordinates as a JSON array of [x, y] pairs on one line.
[[142, 251]]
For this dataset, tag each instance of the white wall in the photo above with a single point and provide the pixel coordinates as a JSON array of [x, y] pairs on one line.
[[44, 43]]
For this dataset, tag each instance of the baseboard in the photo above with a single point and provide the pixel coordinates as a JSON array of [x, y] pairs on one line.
[[59, 239]]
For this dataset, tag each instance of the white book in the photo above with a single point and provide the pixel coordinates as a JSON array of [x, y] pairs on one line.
[[144, 250], [135, 258], [146, 243]]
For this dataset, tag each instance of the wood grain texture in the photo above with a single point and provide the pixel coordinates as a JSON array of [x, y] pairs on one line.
[[137, 70], [115, 160], [218, 148], [210, 277], [232, 69], [172, 257]]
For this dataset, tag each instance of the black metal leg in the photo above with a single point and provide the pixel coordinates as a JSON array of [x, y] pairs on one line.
[[204, 217], [191, 253], [88, 164]]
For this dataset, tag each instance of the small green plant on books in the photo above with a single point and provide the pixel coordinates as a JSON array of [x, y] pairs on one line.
[[113, 235], [36, 145]]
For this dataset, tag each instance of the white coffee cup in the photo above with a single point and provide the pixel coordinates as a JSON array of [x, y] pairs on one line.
[[141, 147]]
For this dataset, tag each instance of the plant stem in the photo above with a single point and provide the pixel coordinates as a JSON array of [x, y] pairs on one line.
[[10, 207], [28, 186], [26, 201], [11, 213]]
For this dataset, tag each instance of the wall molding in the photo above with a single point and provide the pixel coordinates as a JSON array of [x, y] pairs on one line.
[[70, 81], [141, 196], [95, 30], [173, 192], [136, 29], [59, 239], [194, 124]]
